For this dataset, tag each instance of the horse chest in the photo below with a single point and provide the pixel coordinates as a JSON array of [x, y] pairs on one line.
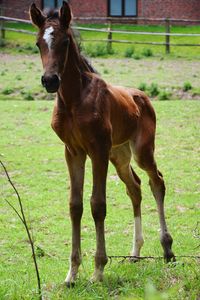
[[67, 130]]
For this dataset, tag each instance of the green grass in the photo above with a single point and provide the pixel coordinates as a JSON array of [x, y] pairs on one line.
[[34, 158], [26, 43], [25, 83]]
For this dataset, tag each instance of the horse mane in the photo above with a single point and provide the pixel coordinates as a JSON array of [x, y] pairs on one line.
[[85, 64]]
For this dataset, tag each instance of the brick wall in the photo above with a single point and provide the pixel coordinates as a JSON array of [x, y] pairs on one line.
[[188, 9], [89, 8], [17, 8], [177, 9]]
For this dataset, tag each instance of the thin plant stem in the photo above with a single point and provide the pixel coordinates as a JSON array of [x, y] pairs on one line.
[[22, 217]]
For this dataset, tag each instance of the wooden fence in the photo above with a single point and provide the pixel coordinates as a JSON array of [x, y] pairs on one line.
[[109, 31]]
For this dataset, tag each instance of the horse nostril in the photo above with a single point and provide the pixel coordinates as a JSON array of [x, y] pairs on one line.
[[51, 83], [43, 81], [55, 79]]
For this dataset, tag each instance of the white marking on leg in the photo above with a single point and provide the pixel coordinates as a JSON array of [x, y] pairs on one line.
[[98, 275], [137, 237], [48, 37], [72, 274]]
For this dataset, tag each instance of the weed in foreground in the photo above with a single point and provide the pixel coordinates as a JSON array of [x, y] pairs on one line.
[[136, 56], [7, 91], [164, 95], [147, 52], [28, 96], [96, 50], [129, 52], [153, 90], [187, 86], [142, 86]]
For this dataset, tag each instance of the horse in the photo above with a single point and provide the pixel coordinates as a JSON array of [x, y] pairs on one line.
[[105, 123]]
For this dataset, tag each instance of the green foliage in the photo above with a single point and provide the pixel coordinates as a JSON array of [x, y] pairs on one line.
[[153, 90], [105, 71], [187, 86], [118, 50], [7, 91], [136, 56], [142, 86], [18, 77], [164, 95], [129, 52], [28, 96], [147, 52], [96, 50]]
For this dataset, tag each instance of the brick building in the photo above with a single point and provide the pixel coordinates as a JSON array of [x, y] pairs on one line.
[[177, 9]]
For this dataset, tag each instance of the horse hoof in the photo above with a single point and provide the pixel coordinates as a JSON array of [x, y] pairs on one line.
[[70, 285], [133, 260], [169, 257]]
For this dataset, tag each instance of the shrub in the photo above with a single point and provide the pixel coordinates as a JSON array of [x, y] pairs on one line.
[[28, 96], [164, 95], [136, 56], [105, 71], [7, 91], [18, 77], [147, 52], [96, 50], [129, 52], [153, 90], [142, 86], [187, 86]]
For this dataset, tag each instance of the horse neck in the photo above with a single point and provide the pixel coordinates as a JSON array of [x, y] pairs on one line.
[[71, 84]]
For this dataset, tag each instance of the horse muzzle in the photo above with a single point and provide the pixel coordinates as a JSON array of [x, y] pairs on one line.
[[51, 83]]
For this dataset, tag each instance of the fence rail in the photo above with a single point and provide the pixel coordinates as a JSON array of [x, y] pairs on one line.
[[109, 31]]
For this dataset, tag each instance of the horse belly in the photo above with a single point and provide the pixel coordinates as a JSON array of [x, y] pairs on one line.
[[123, 129], [124, 115]]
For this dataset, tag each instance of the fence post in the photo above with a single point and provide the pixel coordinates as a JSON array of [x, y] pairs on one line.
[[167, 37], [109, 43], [2, 30]]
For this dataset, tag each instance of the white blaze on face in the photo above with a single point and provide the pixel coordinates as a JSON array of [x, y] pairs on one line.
[[48, 37]]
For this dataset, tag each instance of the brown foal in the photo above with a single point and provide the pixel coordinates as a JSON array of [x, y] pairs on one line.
[[104, 122]]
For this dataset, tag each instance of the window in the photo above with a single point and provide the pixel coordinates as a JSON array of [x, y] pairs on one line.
[[51, 3], [122, 8]]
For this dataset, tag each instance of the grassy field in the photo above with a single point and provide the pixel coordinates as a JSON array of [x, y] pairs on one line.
[[35, 160], [167, 77], [23, 43], [34, 157]]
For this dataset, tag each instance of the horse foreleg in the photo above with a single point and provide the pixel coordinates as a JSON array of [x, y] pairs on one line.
[[98, 207], [76, 166]]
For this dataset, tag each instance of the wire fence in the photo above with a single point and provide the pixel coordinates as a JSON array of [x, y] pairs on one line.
[[109, 31]]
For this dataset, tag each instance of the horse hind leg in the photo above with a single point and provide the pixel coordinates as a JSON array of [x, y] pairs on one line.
[[120, 157], [145, 159], [157, 186]]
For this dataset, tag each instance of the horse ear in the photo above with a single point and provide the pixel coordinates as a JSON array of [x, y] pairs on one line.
[[36, 15], [65, 14]]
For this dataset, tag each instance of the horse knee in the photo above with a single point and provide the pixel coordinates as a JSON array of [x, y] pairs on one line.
[[98, 208], [76, 210]]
